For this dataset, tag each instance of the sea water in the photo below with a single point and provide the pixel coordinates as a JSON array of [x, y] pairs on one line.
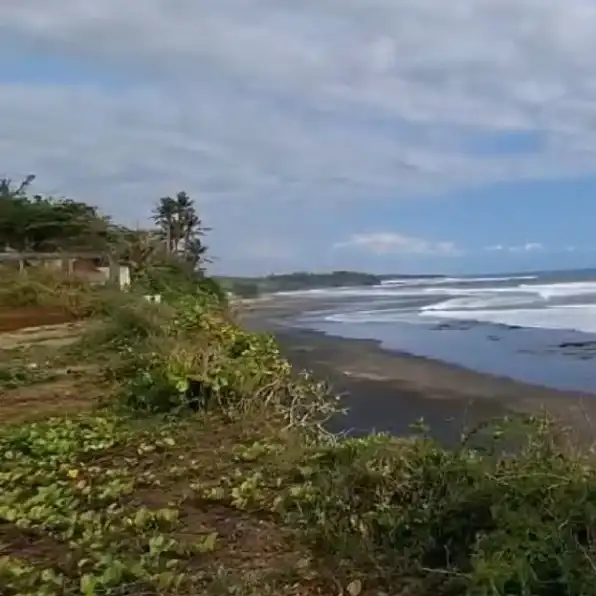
[[538, 328]]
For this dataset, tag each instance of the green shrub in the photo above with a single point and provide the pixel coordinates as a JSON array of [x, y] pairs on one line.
[[459, 521], [188, 355], [38, 287], [510, 512], [175, 279]]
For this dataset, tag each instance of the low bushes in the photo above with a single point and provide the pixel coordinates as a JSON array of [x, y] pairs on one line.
[[476, 520], [408, 515], [188, 355], [512, 511], [39, 288]]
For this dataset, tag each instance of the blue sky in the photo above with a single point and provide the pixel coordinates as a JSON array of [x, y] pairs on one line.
[[391, 135]]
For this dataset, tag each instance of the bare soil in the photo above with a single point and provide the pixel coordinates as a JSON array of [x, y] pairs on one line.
[[45, 335], [59, 387], [12, 319]]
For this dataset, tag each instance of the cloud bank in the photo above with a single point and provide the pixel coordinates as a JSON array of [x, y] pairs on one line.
[[527, 247], [383, 243], [263, 102]]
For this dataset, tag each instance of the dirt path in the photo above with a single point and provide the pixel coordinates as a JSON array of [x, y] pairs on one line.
[[38, 379], [47, 335]]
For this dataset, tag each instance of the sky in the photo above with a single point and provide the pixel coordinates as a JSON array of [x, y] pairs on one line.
[[386, 135]]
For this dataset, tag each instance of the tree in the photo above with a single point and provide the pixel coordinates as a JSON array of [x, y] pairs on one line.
[[46, 224], [13, 201], [181, 228], [7, 191], [196, 253], [140, 249], [65, 225], [164, 216]]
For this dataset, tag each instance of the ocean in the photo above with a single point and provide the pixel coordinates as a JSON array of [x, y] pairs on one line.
[[538, 328]]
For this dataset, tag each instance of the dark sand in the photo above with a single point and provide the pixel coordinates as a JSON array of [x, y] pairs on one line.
[[389, 391]]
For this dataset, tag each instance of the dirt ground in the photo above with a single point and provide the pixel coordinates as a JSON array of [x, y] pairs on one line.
[[36, 381], [46, 335], [12, 319]]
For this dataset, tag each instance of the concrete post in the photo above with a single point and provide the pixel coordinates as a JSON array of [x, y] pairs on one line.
[[114, 271]]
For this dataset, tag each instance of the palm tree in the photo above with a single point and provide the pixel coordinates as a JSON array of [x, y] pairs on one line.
[[164, 216], [181, 227]]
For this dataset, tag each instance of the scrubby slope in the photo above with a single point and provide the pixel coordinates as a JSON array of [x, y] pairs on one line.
[[195, 461]]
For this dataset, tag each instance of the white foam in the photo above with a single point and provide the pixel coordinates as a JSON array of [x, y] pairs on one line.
[[383, 291], [421, 281], [577, 317], [334, 292], [352, 292], [560, 290], [501, 305], [485, 298], [464, 291], [485, 302]]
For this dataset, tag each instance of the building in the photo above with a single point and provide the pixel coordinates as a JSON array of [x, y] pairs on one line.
[[96, 268]]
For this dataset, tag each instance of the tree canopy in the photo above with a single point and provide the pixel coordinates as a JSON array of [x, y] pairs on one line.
[[45, 224], [36, 223], [180, 228]]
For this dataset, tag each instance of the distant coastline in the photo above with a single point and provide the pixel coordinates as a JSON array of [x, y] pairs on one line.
[[250, 287]]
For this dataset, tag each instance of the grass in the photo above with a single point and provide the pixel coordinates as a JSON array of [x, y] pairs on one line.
[[160, 449]]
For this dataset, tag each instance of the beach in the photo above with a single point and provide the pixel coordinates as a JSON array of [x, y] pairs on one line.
[[389, 391]]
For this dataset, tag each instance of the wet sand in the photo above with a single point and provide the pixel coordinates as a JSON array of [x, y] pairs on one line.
[[389, 391]]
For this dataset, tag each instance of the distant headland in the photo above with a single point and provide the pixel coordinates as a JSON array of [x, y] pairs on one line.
[[249, 287]]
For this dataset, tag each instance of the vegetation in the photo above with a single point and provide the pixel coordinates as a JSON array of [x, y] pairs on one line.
[[159, 449], [180, 228], [36, 223], [46, 224]]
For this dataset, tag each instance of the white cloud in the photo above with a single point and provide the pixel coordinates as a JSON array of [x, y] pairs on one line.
[[262, 100], [527, 247], [384, 243]]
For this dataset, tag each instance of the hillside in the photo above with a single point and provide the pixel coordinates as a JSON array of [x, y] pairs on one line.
[[160, 449]]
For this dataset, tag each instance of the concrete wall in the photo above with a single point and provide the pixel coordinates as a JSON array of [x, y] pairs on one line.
[[123, 275], [81, 266]]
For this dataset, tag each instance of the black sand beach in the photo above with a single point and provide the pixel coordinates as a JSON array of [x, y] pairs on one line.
[[388, 391]]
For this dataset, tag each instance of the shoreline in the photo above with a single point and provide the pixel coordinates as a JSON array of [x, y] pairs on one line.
[[389, 391]]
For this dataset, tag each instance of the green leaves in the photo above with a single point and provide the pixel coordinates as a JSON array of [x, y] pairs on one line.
[[50, 487], [206, 544], [46, 224], [181, 228]]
